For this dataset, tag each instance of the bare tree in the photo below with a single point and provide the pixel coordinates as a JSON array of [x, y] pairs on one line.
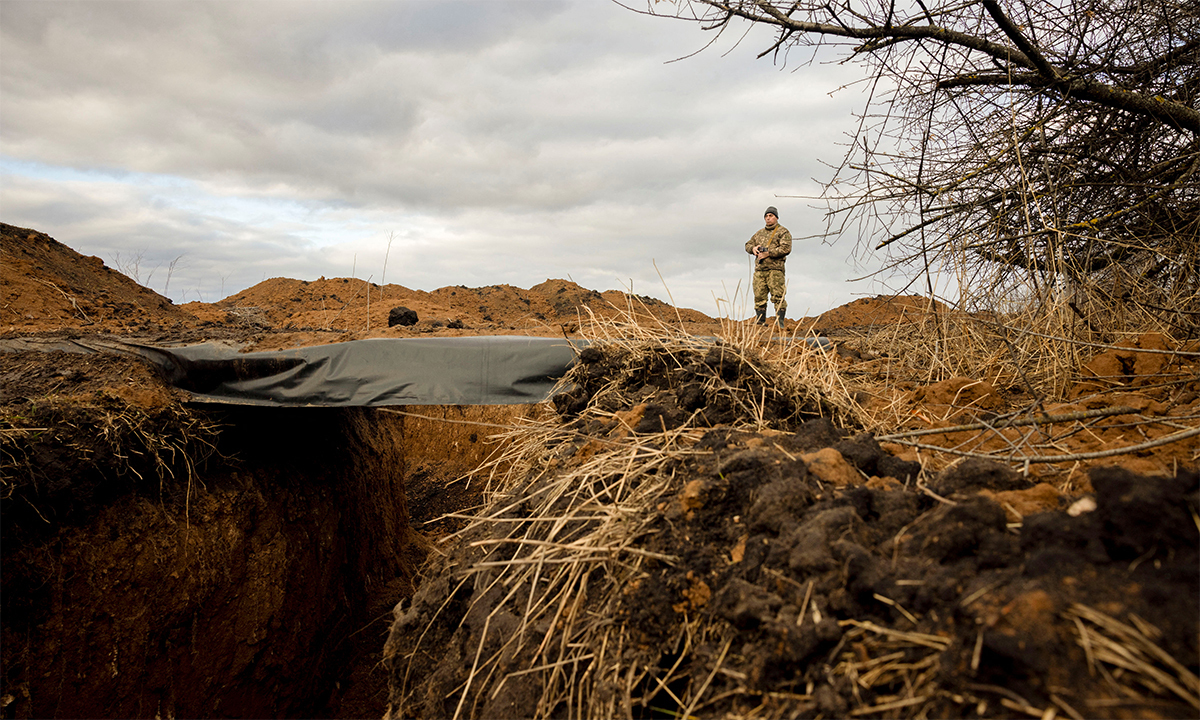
[[1051, 144]]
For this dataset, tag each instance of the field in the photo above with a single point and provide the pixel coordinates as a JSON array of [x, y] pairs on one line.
[[939, 514]]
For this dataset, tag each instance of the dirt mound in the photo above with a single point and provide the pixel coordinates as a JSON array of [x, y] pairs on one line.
[[882, 310], [46, 287], [649, 565], [45, 284], [647, 389], [361, 309]]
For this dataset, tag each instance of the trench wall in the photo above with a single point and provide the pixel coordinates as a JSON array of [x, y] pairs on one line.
[[258, 585]]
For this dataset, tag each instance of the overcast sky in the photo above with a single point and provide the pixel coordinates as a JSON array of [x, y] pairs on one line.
[[491, 142]]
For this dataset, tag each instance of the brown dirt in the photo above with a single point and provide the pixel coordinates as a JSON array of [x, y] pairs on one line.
[[46, 286], [162, 558], [156, 552], [879, 311]]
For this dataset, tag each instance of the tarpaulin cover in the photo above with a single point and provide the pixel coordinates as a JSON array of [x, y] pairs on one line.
[[489, 370], [492, 370]]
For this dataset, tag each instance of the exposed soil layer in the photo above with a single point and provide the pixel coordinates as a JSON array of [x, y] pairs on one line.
[[171, 561]]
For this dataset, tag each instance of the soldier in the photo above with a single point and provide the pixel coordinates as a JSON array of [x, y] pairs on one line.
[[770, 246]]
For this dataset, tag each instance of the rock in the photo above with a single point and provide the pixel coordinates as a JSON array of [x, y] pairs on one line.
[[830, 466], [400, 315], [1042, 497]]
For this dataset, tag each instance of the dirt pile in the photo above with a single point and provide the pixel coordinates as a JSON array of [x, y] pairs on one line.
[[327, 310], [650, 564], [700, 383], [46, 285], [879, 311]]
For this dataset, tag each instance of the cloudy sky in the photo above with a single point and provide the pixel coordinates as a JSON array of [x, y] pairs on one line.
[[425, 143]]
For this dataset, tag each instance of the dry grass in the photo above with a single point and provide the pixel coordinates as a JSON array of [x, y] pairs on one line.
[[1035, 350], [562, 538], [562, 566], [1126, 655], [803, 370], [1014, 339], [106, 435]]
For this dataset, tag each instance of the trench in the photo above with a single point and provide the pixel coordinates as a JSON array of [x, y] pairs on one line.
[[257, 583]]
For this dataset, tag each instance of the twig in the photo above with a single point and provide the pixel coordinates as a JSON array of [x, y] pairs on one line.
[[335, 317], [69, 298], [1043, 420], [696, 698], [885, 707], [1166, 440], [937, 642]]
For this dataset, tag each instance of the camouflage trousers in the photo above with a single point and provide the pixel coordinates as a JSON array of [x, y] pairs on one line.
[[772, 283]]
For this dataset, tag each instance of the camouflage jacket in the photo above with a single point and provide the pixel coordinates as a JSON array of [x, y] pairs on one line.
[[777, 241]]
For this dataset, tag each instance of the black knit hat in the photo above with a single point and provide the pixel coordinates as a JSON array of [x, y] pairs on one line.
[[771, 210]]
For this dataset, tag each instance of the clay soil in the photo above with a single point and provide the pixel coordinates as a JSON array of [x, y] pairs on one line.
[[166, 558]]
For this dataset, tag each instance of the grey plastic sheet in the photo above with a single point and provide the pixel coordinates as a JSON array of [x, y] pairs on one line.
[[490, 370], [487, 370]]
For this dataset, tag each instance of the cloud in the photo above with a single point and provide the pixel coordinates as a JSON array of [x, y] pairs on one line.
[[497, 142]]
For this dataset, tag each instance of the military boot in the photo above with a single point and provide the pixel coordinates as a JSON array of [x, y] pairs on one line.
[[760, 316], [779, 318]]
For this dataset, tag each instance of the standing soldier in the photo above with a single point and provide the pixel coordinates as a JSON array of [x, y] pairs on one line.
[[770, 246]]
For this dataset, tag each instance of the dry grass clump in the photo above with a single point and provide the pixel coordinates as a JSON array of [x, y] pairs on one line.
[[61, 454], [1128, 657], [550, 559], [1021, 339], [751, 362]]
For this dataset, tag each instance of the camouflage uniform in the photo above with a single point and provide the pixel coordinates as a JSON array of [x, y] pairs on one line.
[[768, 272]]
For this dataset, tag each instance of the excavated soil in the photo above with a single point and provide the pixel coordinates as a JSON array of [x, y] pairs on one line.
[[804, 571], [172, 559]]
